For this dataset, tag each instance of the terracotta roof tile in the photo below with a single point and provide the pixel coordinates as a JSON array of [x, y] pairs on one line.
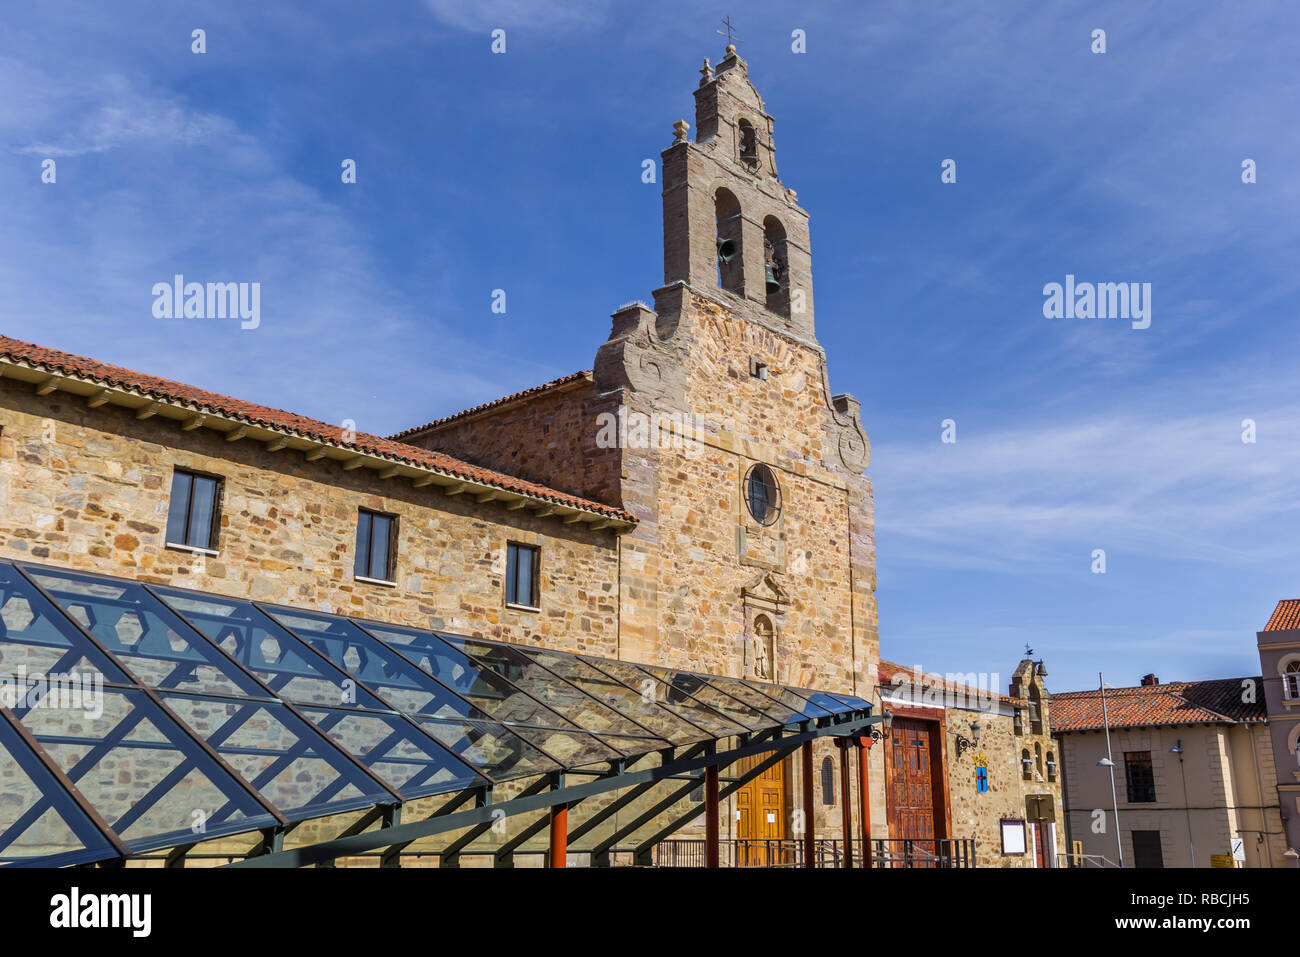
[[504, 400], [110, 376], [1285, 616], [1219, 701]]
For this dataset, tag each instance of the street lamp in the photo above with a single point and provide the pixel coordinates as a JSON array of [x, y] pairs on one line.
[[1191, 844], [886, 722], [964, 743], [1107, 762]]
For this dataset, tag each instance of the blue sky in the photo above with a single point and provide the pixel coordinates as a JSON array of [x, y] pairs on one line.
[[522, 172]]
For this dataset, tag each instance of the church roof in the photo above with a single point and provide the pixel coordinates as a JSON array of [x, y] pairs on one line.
[[1219, 701], [63, 364], [505, 400]]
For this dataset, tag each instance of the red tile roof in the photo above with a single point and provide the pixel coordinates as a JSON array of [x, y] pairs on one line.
[[1219, 701], [1285, 616], [63, 363], [887, 670], [504, 400]]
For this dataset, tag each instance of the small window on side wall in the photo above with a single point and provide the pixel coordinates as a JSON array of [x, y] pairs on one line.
[[828, 782], [375, 546], [521, 574], [194, 511]]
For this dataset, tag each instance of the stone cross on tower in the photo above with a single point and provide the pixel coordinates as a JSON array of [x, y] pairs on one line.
[[731, 39]]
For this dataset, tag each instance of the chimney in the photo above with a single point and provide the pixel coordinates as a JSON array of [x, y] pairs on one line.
[[1149, 680]]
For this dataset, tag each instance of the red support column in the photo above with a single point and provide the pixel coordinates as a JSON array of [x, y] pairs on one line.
[[809, 841], [559, 835], [864, 798], [846, 802], [711, 816]]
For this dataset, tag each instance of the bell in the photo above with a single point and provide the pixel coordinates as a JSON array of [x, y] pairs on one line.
[[727, 250], [772, 284]]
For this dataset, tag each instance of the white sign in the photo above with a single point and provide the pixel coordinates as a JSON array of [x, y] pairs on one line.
[[1013, 837]]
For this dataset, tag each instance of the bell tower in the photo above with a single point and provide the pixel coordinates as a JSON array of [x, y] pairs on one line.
[[731, 227]]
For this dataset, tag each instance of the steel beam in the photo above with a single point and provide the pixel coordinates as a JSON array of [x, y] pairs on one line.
[[643, 849], [846, 803], [809, 839], [412, 831]]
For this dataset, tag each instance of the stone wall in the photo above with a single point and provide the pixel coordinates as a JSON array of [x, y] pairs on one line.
[[550, 438], [88, 489]]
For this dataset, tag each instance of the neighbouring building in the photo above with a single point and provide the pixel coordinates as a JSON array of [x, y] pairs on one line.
[[1279, 659], [965, 761], [1195, 783], [639, 566]]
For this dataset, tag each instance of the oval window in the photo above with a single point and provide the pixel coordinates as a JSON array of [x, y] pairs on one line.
[[762, 494]]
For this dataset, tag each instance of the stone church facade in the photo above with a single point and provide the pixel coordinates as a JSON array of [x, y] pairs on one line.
[[698, 500]]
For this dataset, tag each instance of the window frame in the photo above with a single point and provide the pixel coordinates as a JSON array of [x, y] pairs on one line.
[[827, 774], [772, 494], [1291, 681], [511, 582], [1135, 762], [390, 559], [214, 526]]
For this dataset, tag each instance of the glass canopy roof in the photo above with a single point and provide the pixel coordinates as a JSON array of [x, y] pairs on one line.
[[137, 717]]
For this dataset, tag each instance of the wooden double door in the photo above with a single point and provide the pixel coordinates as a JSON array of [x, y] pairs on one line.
[[914, 813], [760, 815]]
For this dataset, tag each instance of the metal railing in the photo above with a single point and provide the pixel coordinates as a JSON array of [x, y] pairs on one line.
[[828, 852], [748, 853], [1066, 859], [935, 852]]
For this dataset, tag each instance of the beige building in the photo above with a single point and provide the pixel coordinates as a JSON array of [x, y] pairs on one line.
[[1279, 659], [1194, 775]]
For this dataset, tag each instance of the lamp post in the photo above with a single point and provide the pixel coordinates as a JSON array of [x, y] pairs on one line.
[[1191, 844], [1107, 762]]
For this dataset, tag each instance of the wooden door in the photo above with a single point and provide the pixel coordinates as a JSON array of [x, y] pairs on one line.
[[1040, 846], [760, 815], [911, 785]]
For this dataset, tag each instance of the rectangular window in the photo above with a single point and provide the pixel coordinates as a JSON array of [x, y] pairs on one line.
[[194, 510], [521, 574], [375, 545], [1141, 779]]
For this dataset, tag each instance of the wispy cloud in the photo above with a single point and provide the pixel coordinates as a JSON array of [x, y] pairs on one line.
[[1038, 497], [487, 15]]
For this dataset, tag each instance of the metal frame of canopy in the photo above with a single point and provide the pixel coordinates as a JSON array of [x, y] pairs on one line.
[[279, 715]]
